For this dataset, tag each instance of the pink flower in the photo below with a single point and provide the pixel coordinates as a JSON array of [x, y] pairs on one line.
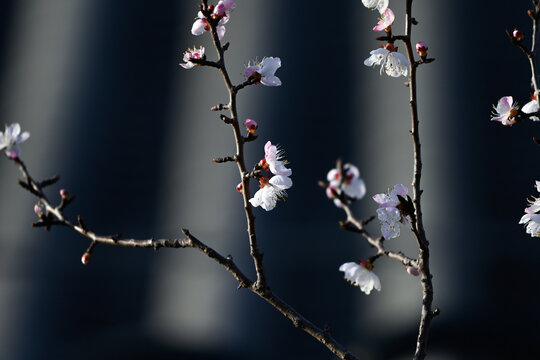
[[10, 139], [251, 126], [273, 160], [191, 54], [386, 20], [264, 71], [421, 49], [224, 7], [505, 111]]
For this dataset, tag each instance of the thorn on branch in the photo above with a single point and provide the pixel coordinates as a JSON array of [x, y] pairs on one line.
[[225, 119], [81, 223], [220, 160], [226, 46], [436, 312], [49, 181], [220, 107], [414, 21]]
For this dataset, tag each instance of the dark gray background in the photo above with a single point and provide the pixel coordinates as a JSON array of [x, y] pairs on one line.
[[97, 83]]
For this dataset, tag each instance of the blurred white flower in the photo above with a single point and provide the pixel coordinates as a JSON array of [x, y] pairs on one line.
[[352, 184], [388, 212], [10, 139], [380, 5], [359, 275]]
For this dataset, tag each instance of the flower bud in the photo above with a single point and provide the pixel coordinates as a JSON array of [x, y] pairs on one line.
[[251, 125], [63, 193], [38, 209], [412, 270], [517, 35], [421, 49], [85, 259], [240, 188]]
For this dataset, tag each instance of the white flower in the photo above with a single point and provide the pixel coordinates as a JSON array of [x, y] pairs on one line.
[[380, 5], [264, 71], [352, 184], [388, 211], [273, 159], [271, 191], [11, 138], [191, 54], [531, 217], [505, 111], [360, 275], [201, 25], [393, 63], [531, 107]]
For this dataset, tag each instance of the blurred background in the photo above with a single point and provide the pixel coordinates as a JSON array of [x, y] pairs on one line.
[[98, 86]]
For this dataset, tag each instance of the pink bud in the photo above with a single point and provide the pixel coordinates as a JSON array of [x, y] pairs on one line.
[[251, 125], [412, 270], [220, 9], [518, 35], [63, 193], [240, 188], [38, 209], [85, 259], [421, 49]]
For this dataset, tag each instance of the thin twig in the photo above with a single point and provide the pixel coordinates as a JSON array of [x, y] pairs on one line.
[[417, 222]]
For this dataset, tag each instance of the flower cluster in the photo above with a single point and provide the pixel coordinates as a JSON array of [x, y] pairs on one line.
[[272, 189], [263, 71], [351, 184], [191, 54], [360, 274], [532, 216], [389, 213], [10, 139], [220, 12]]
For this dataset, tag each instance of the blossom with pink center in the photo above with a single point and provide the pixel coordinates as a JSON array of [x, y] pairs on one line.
[[388, 212], [393, 63], [191, 54], [263, 72], [532, 216], [360, 274], [201, 25], [380, 5], [505, 111], [352, 185], [11, 138], [386, 20], [271, 191], [273, 160], [251, 126]]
